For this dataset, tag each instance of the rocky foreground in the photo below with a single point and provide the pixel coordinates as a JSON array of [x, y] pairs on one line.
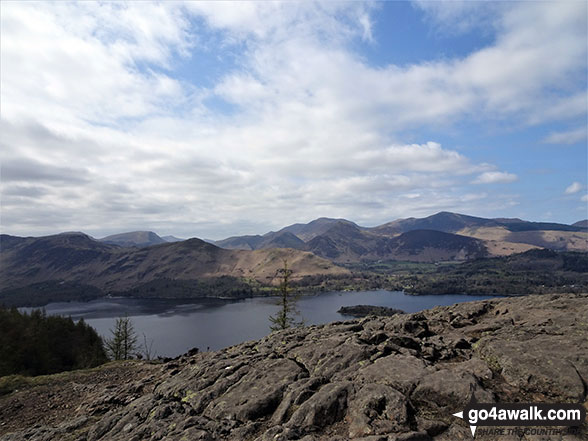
[[378, 378]]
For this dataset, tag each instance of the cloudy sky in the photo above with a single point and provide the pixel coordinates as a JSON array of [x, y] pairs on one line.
[[214, 119]]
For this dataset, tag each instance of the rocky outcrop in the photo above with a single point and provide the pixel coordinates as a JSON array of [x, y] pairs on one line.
[[378, 378]]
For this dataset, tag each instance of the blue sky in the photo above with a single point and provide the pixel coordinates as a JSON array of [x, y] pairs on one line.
[[211, 119]]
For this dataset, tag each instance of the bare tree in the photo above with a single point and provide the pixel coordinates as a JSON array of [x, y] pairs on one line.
[[285, 316], [147, 348], [123, 343]]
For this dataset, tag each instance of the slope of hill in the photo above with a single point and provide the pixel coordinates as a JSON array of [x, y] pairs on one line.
[[523, 240], [172, 239], [7, 242], [240, 242], [432, 246], [520, 225], [76, 258], [281, 239], [134, 239], [581, 224]]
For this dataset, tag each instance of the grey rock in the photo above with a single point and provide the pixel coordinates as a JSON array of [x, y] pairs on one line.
[[377, 409], [324, 408], [258, 393], [398, 371]]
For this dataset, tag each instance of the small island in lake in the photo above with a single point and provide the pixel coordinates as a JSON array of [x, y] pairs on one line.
[[365, 310]]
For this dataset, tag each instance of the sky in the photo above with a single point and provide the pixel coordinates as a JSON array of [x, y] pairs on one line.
[[213, 119]]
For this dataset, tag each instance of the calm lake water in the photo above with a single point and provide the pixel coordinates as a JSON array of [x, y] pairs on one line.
[[177, 326]]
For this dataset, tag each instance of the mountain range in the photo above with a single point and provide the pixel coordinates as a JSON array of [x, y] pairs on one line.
[[441, 237], [143, 262], [340, 240]]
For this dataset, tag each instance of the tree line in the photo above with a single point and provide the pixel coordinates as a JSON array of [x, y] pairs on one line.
[[36, 344]]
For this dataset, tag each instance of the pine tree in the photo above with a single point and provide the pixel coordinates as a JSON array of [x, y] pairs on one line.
[[123, 343], [284, 319]]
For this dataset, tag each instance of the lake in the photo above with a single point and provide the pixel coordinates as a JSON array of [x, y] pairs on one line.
[[176, 326]]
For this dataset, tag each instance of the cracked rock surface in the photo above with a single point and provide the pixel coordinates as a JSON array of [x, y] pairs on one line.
[[378, 378]]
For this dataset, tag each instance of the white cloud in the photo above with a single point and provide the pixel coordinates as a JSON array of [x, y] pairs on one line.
[[573, 188], [89, 91], [508, 79], [495, 177], [366, 24], [584, 198], [66, 64], [455, 16], [568, 137]]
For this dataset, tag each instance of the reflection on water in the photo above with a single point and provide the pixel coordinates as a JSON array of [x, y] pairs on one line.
[[177, 326]]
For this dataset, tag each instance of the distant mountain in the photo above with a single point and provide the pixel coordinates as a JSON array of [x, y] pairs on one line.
[[77, 258], [453, 223], [503, 236], [32, 260], [172, 239], [345, 244], [581, 224], [315, 228], [344, 241], [292, 236], [444, 221], [134, 239]]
